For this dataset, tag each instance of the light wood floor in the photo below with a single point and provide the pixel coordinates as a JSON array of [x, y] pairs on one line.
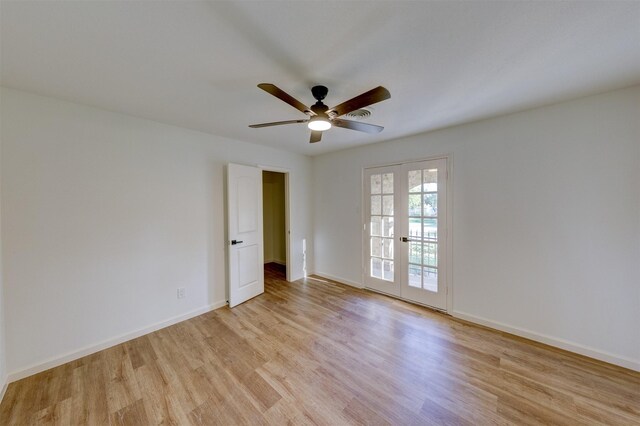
[[311, 352]]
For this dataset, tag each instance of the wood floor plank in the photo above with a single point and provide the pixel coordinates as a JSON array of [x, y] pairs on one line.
[[90, 401], [262, 392], [132, 415], [160, 401], [122, 386], [315, 352]]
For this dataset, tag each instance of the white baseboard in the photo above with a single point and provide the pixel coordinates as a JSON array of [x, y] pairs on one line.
[[88, 350], [279, 262], [5, 384], [338, 279], [553, 341]]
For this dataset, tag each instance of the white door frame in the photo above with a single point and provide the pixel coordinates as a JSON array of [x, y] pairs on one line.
[[287, 215], [449, 219]]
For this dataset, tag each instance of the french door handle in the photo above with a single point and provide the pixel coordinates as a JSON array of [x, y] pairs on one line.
[[406, 240], [234, 242]]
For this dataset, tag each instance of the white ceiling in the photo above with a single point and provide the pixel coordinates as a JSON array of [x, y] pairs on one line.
[[196, 64]]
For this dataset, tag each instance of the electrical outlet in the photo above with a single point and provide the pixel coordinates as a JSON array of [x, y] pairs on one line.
[[181, 292]]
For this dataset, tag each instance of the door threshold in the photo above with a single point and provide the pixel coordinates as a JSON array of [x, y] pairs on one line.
[[413, 302]]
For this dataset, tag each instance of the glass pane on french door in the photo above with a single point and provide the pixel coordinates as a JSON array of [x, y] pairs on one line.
[[423, 229], [380, 208], [423, 219], [381, 235]]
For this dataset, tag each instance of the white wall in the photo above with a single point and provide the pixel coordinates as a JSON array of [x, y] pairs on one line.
[[273, 195], [546, 220], [3, 350], [105, 215]]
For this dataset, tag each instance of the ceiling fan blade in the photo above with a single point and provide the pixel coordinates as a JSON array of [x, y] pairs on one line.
[[354, 125], [282, 95], [315, 136], [368, 98], [276, 123]]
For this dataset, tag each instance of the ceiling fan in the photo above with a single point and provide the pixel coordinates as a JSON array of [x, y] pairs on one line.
[[321, 117]]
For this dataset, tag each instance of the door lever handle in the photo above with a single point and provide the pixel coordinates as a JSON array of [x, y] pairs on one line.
[[405, 239], [234, 242]]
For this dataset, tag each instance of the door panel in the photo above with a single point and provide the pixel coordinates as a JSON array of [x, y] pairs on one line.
[[423, 218], [244, 205], [405, 245], [379, 240], [248, 258], [247, 204]]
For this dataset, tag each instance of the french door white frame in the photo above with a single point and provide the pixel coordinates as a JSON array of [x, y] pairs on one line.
[[448, 231]]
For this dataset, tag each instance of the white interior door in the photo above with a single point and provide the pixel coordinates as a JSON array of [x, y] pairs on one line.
[[405, 231], [244, 206]]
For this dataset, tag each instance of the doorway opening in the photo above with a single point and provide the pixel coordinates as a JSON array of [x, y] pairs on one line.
[[275, 224]]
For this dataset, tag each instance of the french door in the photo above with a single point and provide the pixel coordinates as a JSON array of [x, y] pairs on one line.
[[405, 231]]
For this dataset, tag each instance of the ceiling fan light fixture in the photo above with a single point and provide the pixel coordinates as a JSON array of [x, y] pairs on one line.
[[321, 117], [319, 123]]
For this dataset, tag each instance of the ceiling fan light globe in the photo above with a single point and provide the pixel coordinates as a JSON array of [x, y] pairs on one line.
[[319, 124]]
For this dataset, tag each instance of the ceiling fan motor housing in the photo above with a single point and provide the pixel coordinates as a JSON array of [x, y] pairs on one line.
[[319, 92]]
